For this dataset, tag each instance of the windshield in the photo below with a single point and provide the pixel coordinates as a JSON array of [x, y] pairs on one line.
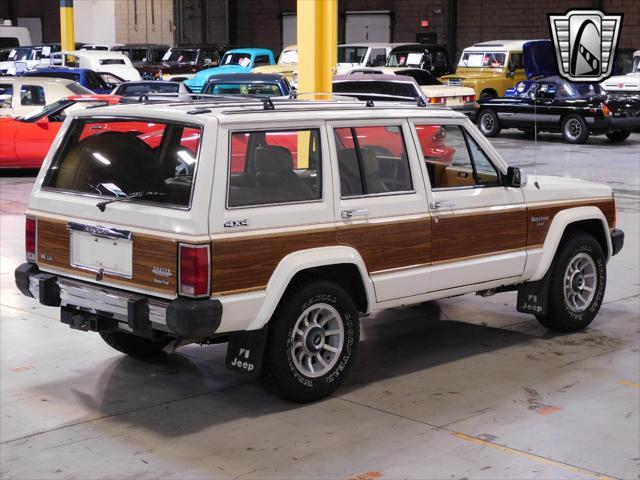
[[408, 59], [351, 54], [46, 110], [117, 158], [242, 59], [57, 111], [288, 56], [244, 88], [382, 87], [18, 54], [483, 59], [180, 55], [134, 54]]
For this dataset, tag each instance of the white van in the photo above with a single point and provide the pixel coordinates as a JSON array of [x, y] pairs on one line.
[[99, 61], [11, 36]]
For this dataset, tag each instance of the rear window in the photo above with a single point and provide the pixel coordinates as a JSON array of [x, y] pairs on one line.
[[137, 89], [154, 162]]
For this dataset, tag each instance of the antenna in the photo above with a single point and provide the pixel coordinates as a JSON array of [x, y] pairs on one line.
[[535, 136]]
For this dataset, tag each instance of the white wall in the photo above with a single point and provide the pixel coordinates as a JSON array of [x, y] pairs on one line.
[[94, 21]]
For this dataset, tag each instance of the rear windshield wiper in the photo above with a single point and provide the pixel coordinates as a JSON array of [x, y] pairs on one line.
[[101, 205]]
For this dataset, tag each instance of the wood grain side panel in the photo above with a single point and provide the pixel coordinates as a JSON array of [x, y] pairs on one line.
[[249, 262], [149, 252], [539, 219], [459, 236], [385, 246]]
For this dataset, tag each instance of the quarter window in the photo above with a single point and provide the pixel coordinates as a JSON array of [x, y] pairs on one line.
[[454, 159], [32, 95], [6, 94], [372, 160], [262, 60], [274, 167]]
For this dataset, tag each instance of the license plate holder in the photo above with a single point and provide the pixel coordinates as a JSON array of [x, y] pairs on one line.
[[111, 254]]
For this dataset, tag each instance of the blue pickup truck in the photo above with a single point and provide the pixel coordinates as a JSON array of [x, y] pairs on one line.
[[85, 77], [239, 60]]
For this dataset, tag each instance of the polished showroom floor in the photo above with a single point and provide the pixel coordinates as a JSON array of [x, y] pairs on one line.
[[460, 388]]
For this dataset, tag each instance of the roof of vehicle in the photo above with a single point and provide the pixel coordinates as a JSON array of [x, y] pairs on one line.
[[498, 45], [55, 68], [143, 45], [373, 44], [418, 47], [246, 77], [92, 53], [44, 81], [152, 82], [376, 77], [244, 111], [254, 51]]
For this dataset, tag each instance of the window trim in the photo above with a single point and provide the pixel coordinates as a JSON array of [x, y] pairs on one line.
[[400, 125], [277, 129], [65, 141]]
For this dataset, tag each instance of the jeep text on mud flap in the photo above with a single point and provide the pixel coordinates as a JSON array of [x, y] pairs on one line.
[[276, 229]]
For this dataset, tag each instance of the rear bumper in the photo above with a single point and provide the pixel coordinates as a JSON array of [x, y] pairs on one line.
[[623, 123], [617, 240], [89, 307]]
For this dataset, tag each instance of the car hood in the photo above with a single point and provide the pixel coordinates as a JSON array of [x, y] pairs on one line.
[[475, 73], [622, 83], [200, 78], [554, 188], [285, 68], [539, 59]]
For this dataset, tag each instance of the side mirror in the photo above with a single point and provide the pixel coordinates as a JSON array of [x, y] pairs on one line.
[[43, 122], [516, 178]]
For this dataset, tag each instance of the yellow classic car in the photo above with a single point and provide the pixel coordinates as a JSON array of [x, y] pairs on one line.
[[490, 68], [287, 64]]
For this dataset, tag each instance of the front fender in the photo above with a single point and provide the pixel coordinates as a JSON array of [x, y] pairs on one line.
[[301, 260], [558, 226]]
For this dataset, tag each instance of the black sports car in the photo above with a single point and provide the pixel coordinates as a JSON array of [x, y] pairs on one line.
[[552, 104]]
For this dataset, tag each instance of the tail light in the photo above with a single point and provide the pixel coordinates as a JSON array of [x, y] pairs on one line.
[[469, 98], [605, 109], [194, 273], [437, 100], [30, 232]]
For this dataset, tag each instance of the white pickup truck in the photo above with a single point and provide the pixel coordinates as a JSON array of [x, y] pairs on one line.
[[276, 226]]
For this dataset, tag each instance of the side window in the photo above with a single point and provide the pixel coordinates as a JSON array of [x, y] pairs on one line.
[[377, 58], [6, 94], [372, 160], [262, 60], [454, 159], [274, 167], [32, 95], [94, 81], [439, 59], [515, 60]]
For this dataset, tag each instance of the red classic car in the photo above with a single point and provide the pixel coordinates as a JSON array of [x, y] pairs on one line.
[[25, 141]]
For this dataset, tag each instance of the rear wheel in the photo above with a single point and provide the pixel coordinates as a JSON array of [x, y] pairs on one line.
[[489, 123], [618, 135], [577, 284], [488, 95], [133, 345], [575, 129], [313, 337]]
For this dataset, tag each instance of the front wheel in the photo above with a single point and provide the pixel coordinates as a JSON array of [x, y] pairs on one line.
[[618, 135], [577, 284], [313, 338], [489, 123], [575, 129]]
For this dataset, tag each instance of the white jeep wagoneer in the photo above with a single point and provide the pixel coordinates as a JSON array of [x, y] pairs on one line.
[[276, 226]]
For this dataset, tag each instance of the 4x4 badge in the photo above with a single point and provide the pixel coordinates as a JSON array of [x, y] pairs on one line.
[[236, 223]]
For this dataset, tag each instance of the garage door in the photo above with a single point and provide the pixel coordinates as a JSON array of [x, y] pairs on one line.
[[368, 27], [289, 29]]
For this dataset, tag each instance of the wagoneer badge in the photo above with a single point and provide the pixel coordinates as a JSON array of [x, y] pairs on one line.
[[161, 271]]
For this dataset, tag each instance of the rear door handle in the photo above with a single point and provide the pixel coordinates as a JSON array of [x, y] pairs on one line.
[[443, 204], [354, 213]]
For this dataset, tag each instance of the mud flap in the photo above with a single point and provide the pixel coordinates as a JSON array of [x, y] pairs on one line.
[[533, 297], [245, 351]]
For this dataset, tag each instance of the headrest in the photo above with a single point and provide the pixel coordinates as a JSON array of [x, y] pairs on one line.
[[370, 162], [273, 159]]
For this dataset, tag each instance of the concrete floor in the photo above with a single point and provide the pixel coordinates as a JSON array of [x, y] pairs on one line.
[[455, 389]]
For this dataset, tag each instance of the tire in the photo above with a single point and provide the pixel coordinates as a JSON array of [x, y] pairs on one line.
[[574, 129], [291, 369], [133, 345], [488, 123], [618, 135], [568, 313]]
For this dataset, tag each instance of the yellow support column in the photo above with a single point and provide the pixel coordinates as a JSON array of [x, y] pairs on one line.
[[66, 25], [317, 22]]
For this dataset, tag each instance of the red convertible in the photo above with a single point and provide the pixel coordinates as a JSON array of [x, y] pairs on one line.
[[25, 141]]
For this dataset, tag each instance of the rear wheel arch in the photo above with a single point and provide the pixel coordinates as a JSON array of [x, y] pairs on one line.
[[488, 93]]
